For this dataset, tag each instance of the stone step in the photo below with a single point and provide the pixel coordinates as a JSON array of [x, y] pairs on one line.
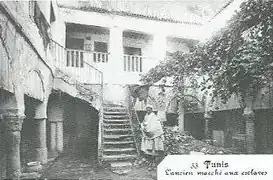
[[116, 126], [115, 117], [116, 121], [112, 105], [117, 136], [121, 166], [113, 108], [119, 150], [115, 113], [118, 130], [119, 157], [118, 142]]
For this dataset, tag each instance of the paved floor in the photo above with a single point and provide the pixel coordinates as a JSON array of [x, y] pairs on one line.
[[76, 166]]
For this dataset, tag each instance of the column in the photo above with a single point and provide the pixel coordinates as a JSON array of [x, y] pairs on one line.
[[59, 136], [250, 125], [159, 46], [13, 127], [52, 143], [40, 140], [116, 46], [55, 119], [208, 130], [181, 117], [115, 63]]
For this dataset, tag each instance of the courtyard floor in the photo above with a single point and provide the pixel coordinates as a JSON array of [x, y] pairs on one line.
[[76, 166]]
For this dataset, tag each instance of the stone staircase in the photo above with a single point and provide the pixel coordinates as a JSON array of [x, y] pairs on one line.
[[119, 146]]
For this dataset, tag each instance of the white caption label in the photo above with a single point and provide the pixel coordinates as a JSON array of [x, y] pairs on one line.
[[215, 167]]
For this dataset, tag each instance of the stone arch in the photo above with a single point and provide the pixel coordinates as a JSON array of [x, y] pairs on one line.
[[34, 85]]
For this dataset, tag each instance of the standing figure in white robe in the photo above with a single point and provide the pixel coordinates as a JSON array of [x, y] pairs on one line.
[[153, 137]]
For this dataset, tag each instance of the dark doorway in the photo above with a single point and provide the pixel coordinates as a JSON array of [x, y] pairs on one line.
[[100, 47], [28, 132], [132, 51], [195, 125], [81, 129], [264, 131], [75, 43]]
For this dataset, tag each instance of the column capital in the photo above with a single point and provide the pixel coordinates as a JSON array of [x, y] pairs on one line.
[[13, 122]]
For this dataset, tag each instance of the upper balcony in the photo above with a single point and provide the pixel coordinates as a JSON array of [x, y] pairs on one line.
[[121, 55], [73, 63]]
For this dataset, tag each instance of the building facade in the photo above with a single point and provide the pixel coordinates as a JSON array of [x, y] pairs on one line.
[[37, 93], [60, 63]]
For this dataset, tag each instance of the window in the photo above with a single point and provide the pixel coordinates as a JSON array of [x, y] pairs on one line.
[[52, 14], [75, 43], [100, 47], [75, 52], [31, 8], [132, 61], [132, 51], [37, 16]]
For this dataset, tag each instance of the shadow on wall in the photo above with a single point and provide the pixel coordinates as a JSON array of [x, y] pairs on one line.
[[81, 128], [3, 96], [28, 132], [195, 125]]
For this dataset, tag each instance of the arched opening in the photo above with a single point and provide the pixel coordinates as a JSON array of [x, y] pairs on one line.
[[81, 129], [28, 132], [80, 125]]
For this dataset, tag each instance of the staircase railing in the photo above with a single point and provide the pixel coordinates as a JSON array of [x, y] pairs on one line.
[[133, 113], [100, 128], [84, 72], [72, 61]]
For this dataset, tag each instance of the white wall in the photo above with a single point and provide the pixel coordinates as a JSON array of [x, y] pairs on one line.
[[132, 23], [144, 44], [174, 46]]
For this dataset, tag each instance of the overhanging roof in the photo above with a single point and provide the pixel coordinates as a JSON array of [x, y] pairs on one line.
[[178, 11]]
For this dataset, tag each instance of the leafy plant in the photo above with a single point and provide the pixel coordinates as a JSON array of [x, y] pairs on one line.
[[236, 60]]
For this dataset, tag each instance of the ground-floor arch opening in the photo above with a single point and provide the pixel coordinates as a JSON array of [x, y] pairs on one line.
[[28, 132], [81, 128]]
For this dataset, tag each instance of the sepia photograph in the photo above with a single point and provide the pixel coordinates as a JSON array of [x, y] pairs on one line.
[[108, 89]]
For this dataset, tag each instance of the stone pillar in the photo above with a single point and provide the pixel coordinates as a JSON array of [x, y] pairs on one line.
[[208, 130], [13, 127], [250, 125], [250, 131], [52, 143], [59, 136], [181, 120], [40, 140], [55, 119], [116, 49], [159, 46]]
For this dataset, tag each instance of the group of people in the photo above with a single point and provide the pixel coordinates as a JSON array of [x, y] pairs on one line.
[[153, 136]]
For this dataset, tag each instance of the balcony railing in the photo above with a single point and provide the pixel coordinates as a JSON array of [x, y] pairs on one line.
[[132, 63], [76, 58], [73, 62]]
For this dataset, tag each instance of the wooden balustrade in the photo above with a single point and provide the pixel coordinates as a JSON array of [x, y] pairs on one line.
[[132, 63], [75, 62], [74, 58], [100, 57]]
